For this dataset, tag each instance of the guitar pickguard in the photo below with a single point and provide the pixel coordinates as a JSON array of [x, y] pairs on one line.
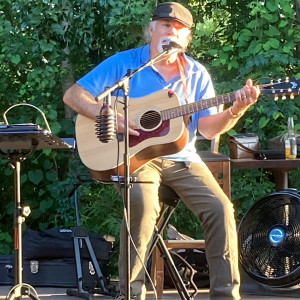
[[161, 131]]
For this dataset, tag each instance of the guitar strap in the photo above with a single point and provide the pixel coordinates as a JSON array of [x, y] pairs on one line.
[[181, 62]]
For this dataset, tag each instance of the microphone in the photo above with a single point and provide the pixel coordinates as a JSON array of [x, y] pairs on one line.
[[106, 122], [171, 44]]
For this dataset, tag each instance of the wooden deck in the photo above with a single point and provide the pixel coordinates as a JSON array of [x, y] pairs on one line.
[[251, 292], [250, 289]]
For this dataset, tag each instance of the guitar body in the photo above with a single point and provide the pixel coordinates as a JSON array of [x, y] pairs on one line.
[[157, 137], [159, 119]]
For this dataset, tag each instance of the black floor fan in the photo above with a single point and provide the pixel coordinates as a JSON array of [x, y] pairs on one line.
[[269, 240]]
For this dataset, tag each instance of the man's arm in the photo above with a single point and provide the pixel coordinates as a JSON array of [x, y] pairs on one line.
[[82, 101], [213, 125]]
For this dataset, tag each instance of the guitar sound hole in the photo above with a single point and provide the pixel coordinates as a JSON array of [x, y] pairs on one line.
[[151, 119]]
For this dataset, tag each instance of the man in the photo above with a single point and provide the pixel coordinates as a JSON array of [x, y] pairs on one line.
[[184, 171]]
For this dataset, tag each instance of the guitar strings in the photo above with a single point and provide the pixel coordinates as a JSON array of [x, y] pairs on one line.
[[172, 113]]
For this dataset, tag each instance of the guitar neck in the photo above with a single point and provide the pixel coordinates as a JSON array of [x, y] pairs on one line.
[[191, 108], [280, 88]]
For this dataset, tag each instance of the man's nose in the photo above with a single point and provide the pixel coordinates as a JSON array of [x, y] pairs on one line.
[[173, 31]]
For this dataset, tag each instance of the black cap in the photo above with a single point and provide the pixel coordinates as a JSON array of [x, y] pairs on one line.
[[173, 10]]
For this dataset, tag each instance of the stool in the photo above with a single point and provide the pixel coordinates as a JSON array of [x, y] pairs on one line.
[[219, 165]]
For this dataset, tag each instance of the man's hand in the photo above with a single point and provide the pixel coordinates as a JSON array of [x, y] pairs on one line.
[[245, 97], [121, 125]]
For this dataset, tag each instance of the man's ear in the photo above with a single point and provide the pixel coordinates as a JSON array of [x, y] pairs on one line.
[[151, 28]]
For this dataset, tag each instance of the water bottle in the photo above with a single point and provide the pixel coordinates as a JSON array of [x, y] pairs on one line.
[[290, 141]]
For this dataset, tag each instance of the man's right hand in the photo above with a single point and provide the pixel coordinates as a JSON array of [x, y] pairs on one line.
[[121, 125]]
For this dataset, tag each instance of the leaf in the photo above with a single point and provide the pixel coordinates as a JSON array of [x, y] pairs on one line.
[[47, 152], [47, 164], [23, 178], [267, 46], [58, 28], [272, 5], [283, 23], [287, 8], [51, 175], [272, 18], [253, 24], [52, 114], [55, 127], [15, 59], [213, 52], [257, 48], [235, 35], [245, 35], [288, 49], [8, 171], [274, 43], [45, 46], [35, 176], [272, 31], [231, 132], [41, 192], [263, 122], [45, 204], [276, 115], [228, 48]]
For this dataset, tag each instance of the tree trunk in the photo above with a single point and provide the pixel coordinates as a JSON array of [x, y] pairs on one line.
[[69, 81], [298, 22]]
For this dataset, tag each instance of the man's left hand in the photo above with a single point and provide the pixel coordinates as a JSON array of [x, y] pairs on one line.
[[245, 97]]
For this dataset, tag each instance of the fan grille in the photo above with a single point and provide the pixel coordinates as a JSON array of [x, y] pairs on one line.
[[269, 239]]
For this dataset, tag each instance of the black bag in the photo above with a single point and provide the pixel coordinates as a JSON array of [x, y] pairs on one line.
[[52, 272], [194, 257], [57, 243], [269, 154]]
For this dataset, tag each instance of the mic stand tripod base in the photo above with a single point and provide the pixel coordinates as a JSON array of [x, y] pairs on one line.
[[79, 294], [80, 235], [22, 289]]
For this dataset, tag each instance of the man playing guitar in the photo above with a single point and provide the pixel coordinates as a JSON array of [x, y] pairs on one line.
[[183, 171]]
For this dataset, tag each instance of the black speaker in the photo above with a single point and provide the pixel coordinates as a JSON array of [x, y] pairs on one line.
[[269, 240]]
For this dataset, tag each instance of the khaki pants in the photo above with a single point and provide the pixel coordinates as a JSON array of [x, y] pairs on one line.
[[199, 190]]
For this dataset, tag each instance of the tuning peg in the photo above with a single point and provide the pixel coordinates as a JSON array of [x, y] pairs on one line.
[[276, 98], [287, 79], [283, 97], [292, 96]]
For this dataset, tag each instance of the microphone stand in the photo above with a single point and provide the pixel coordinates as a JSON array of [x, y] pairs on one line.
[[124, 85]]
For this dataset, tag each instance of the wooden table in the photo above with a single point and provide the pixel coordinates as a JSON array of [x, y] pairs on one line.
[[280, 167]]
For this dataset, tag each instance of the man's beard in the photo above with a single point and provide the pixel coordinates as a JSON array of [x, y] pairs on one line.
[[164, 41]]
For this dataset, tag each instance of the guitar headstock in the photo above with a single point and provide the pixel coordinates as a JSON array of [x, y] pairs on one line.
[[288, 87]]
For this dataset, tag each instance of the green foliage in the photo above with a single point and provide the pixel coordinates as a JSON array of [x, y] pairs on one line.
[[186, 222], [101, 210], [249, 186], [5, 242], [45, 44]]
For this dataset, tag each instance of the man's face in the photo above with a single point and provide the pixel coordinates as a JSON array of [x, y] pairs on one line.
[[166, 29]]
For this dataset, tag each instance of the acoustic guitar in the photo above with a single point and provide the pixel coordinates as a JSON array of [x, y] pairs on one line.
[[160, 120]]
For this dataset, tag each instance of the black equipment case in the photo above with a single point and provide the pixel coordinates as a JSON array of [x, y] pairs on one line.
[[49, 259], [51, 272]]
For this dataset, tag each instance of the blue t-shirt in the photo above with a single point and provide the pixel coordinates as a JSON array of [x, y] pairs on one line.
[[147, 81]]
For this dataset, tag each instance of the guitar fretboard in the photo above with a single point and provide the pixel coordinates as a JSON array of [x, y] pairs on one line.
[[191, 108]]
